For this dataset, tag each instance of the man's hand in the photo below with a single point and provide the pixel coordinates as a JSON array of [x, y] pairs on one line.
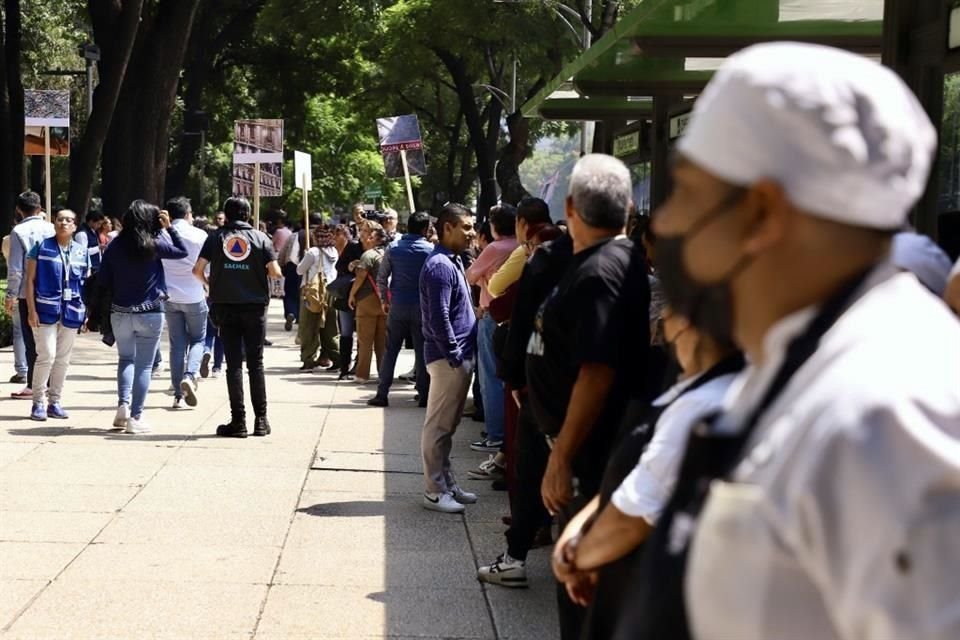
[[386, 307], [557, 486], [581, 587], [84, 328], [352, 301], [33, 319], [517, 397], [8, 304], [353, 266]]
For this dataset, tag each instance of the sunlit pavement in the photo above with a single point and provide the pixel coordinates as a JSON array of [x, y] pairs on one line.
[[313, 532]]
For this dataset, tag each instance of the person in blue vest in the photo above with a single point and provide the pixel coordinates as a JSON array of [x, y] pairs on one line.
[[56, 269], [88, 235]]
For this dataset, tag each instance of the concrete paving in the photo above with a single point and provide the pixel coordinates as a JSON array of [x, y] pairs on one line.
[[313, 532]]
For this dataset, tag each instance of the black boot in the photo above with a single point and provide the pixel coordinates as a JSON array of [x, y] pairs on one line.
[[233, 429], [261, 426]]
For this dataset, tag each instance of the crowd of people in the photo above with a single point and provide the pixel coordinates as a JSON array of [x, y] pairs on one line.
[[742, 415]]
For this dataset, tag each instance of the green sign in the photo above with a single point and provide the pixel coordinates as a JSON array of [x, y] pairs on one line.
[[373, 192], [626, 144]]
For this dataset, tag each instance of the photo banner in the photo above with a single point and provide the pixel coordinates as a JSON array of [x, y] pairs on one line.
[[401, 133], [46, 109], [258, 141]]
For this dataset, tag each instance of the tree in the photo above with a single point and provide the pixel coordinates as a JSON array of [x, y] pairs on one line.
[[115, 26], [135, 155], [12, 178]]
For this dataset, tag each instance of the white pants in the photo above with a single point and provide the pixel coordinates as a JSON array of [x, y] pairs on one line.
[[54, 346]]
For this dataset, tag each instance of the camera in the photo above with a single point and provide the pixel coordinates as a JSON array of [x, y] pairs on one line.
[[375, 216]]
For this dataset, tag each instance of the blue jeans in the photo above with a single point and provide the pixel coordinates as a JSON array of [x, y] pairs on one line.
[[404, 320], [213, 344], [490, 384], [187, 325], [138, 339], [19, 348]]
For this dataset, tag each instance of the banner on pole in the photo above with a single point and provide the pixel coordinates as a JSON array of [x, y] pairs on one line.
[[303, 170], [258, 141], [46, 111], [401, 133]]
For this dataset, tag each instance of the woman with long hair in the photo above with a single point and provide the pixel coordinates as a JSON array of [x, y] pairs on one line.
[[365, 300], [132, 270]]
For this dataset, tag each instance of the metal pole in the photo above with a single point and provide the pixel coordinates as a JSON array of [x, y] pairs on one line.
[[256, 196], [513, 86], [586, 42], [46, 169], [89, 88], [203, 157]]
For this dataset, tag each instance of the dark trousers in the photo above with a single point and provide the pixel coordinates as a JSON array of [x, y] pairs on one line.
[[28, 340], [348, 327], [526, 505], [243, 331], [291, 291], [404, 320]]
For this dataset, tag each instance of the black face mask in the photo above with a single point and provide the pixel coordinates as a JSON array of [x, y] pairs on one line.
[[708, 307]]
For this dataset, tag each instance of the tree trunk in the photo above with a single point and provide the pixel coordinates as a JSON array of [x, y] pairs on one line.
[[135, 156], [11, 114], [115, 28], [478, 130], [204, 54]]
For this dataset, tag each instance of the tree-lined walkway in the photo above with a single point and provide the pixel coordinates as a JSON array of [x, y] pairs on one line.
[[313, 532]]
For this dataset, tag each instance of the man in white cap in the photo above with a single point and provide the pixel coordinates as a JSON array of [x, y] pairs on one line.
[[825, 501]]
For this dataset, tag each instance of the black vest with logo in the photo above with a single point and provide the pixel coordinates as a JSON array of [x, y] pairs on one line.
[[238, 268]]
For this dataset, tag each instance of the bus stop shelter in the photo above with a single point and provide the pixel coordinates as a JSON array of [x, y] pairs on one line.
[[643, 75]]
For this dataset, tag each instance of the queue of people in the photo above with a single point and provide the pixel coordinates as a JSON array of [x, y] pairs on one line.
[[720, 412]]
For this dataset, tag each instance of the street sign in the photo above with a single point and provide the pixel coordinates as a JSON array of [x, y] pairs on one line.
[[626, 144], [373, 192], [678, 124], [303, 170], [954, 42], [413, 145]]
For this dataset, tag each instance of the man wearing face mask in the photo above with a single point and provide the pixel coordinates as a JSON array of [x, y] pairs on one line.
[[823, 503]]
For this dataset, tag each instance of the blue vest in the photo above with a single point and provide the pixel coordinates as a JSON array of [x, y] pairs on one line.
[[93, 246], [54, 304]]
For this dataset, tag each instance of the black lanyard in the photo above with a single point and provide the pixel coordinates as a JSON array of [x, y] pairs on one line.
[[798, 352]]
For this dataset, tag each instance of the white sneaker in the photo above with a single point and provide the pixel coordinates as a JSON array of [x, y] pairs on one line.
[[137, 425], [442, 502], [505, 571], [178, 403], [123, 414], [461, 496], [189, 388]]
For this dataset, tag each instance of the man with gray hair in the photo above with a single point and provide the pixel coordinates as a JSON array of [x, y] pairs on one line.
[[587, 354]]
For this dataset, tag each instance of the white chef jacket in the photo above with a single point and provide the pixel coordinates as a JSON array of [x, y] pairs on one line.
[[843, 521], [645, 492]]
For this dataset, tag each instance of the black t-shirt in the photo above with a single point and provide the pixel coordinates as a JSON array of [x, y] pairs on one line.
[[351, 252], [238, 256], [597, 314], [540, 275]]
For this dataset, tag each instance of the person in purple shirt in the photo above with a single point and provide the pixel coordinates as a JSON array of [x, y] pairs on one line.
[[450, 335], [132, 270]]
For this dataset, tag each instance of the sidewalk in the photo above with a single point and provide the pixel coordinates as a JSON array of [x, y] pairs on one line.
[[313, 532]]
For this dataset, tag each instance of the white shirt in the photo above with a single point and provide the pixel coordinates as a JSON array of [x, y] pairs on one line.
[[645, 492], [311, 264], [182, 286], [843, 521]]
